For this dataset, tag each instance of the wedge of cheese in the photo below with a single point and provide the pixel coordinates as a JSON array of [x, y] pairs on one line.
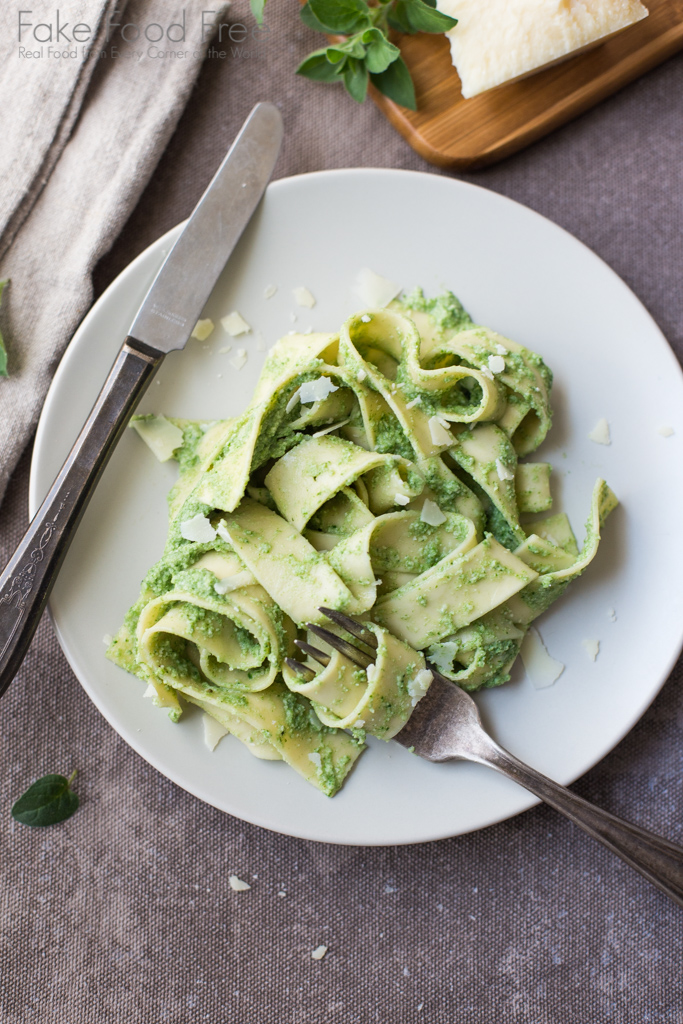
[[498, 41]]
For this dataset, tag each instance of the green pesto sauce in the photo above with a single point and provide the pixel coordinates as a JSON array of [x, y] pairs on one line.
[[447, 312]]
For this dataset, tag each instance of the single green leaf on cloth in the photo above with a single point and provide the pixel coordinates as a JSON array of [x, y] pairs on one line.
[[396, 84], [47, 802], [344, 16], [317, 67], [356, 79], [257, 9], [3, 350], [380, 53]]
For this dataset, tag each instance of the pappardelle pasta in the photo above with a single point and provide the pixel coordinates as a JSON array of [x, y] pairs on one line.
[[375, 471]]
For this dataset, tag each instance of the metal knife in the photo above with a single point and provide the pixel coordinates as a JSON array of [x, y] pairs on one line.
[[163, 323]]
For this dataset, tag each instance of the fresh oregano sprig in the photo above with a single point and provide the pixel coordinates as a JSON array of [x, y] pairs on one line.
[[366, 54], [47, 802]]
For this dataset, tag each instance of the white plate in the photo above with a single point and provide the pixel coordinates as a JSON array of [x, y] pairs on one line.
[[514, 271]]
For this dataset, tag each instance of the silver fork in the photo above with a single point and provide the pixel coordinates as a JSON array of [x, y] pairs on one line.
[[445, 726]]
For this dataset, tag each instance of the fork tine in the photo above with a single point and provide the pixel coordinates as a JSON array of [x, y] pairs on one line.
[[356, 629], [301, 670], [358, 657], [313, 652]]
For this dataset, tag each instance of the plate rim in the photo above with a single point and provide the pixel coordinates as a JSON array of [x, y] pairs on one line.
[[130, 271]]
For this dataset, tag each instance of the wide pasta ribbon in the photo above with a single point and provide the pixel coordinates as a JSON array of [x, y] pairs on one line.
[[375, 472]]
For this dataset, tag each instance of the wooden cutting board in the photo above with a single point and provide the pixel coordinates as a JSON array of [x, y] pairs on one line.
[[460, 134]]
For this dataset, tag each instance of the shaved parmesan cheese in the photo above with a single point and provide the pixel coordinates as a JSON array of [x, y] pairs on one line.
[[438, 433], [375, 290], [213, 732], [503, 472], [431, 514], [332, 426], [413, 402], [401, 499], [294, 400], [496, 364], [202, 329], [611, 615], [198, 529], [303, 297], [239, 359], [361, 375], [269, 291], [150, 691], [600, 433], [541, 669], [371, 673], [237, 885], [359, 724], [366, 318], [418, 686], [223, 351], [486, 372], [498, 41], [230, 583], [501, 350], [160, 435], [316, 390], [107, 639], [591, 647], [234, 323], [319, 952], [316, 759], [665, 431], [441, 656], [222, 531]]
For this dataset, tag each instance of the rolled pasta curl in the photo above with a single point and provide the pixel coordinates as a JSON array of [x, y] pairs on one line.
[[480, 655], [230, 643], [379, 700], [396, 336]]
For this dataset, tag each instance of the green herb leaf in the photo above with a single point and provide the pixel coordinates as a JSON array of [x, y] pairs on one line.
[[317, 67], [356, 79], [47, 802], [257, 9], [380, 53], [396, 84], [367, 54], [343, 16], [419, 16], [352, 47], [309, 19]]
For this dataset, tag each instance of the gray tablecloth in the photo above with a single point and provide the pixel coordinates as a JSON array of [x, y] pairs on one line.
[[124, 913]]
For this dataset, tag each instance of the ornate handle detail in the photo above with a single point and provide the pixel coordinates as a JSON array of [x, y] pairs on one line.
[[27, 580]]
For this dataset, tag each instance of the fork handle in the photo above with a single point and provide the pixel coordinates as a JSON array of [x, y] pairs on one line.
[[657, 859], [27, 580]]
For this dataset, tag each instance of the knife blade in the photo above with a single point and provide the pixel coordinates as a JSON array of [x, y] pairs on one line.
[[163, 323], [184, 282]]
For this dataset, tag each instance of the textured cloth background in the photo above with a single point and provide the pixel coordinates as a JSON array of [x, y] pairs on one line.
[[124, 912], [68, 200]]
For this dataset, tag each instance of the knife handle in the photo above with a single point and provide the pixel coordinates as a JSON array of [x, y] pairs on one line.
[[27, 580]]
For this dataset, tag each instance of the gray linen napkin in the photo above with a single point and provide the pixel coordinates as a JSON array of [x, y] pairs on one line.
[[79, 142]]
